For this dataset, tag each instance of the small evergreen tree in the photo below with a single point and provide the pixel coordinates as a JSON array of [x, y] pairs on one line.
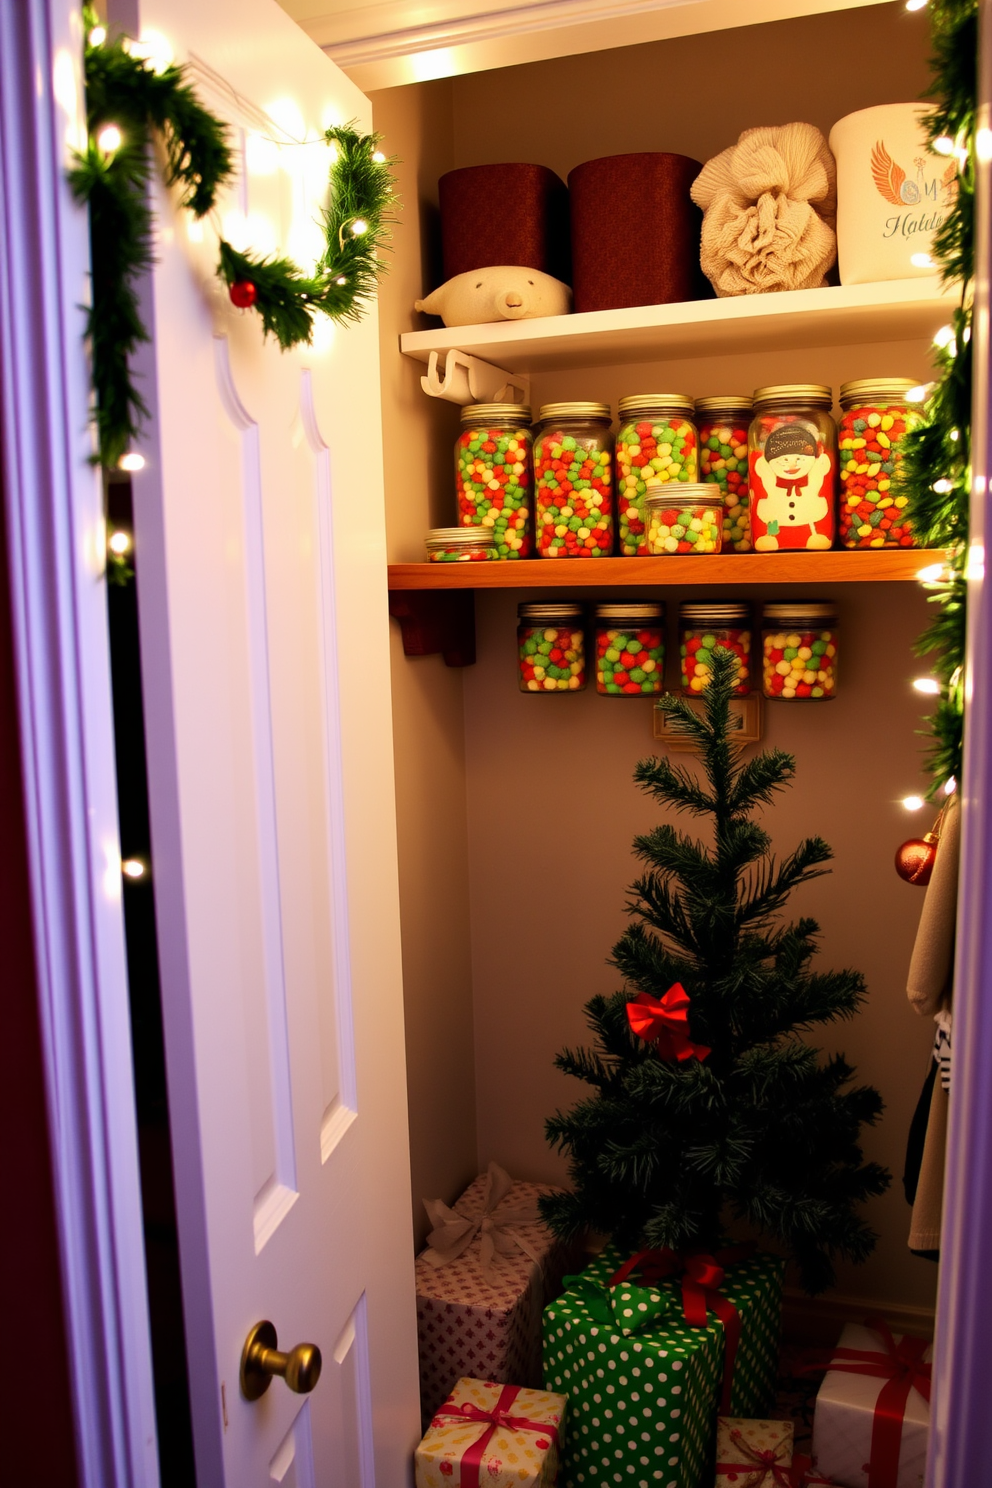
[[734, 1116]]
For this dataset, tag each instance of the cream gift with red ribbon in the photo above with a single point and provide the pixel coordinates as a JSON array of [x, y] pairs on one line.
[[872, 1415], [489, 1268], [754, 1454], [492, 1434]]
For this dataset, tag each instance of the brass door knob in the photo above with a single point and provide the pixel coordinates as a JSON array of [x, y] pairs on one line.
[[261, 1359]]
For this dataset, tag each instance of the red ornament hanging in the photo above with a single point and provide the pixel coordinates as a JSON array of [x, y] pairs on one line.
[[915, 858], [243, 294]]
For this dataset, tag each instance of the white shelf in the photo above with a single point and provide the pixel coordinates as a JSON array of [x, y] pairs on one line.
[[899, 310]]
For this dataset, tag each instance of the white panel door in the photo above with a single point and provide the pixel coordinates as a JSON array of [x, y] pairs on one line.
[[260, 553]]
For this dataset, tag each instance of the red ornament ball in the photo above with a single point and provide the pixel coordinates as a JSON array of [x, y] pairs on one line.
[[915, 859], [243, 294]]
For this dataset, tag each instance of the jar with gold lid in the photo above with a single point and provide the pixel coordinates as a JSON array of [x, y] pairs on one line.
[[792, 468], [573, 470], [494, 475], [657, 441], [723, 423], [875, 417]]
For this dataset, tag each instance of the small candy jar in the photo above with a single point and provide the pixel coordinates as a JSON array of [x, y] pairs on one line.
[[552, 648], [460, 545], [573, 466], [723, 424], [875, 417], [683, 518], [656, 441], [706, 628], [799, 651], [494, 475], [630, 649], [792, 468]]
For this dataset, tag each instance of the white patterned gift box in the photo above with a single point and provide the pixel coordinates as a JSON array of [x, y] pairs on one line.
[[643, 1385], [845, 1432], [754, 1454], [499, 1435], [481, 1284]]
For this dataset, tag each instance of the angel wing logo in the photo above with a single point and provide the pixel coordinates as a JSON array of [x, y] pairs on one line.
[[891, 179]]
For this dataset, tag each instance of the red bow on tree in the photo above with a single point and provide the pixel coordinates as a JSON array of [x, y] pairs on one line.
[[702, 1276], [664, 1022]]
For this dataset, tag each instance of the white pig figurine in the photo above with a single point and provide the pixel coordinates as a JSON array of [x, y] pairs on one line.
[[500, 293]]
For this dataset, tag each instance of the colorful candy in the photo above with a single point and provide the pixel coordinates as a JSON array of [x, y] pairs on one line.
[[705, 629], [551, 648], [459, 545], [875, 418], [792, 466], [799, 651], [694, 526], [657, 441], [493, 474], [573, 466], [630, 649], [723, 425]]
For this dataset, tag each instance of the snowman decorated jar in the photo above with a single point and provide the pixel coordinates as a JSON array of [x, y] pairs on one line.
[[792, 468]]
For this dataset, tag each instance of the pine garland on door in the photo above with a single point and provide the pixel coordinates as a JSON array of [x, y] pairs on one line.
[[936, 471], [708, 1104], [127, 102]]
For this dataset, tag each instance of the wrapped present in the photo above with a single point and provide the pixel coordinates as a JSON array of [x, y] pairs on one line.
[[753, 1454], [872, 1416], [644, 1379], [493, 1434], [489, 1267]]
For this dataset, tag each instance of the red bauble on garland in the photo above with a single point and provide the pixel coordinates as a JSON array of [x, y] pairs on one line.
[[243, 294], [915, 859]]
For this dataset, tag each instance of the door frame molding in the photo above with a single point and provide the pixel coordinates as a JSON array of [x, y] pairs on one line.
[[56, 537]]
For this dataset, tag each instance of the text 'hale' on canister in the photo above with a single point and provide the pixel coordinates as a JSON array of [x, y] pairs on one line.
[[635, 231], [504, 214]]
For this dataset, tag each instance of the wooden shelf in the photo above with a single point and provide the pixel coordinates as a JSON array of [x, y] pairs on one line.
[[898, 310], [887, 566]]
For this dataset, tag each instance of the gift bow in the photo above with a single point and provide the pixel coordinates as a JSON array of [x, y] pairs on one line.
[[628, 1308], [760, 1465], [902, 1367], [453, 1233], [664, 1022], [702, 1276], [495, 1419]]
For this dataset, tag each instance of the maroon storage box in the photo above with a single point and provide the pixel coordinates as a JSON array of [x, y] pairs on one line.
[[635, 231], [504, 214]]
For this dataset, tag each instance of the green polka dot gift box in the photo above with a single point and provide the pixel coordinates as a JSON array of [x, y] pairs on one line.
[[644, 1386]]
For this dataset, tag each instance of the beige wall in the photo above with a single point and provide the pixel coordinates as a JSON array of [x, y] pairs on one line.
[[551, 808]]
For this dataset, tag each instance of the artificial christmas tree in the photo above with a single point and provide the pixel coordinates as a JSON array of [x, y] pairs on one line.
[[709, 1107]]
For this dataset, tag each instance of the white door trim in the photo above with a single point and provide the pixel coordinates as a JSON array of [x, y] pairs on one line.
[[56, 546]]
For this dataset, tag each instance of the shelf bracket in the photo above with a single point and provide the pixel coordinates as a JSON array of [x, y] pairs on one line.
[[436, 620], [466, 379]]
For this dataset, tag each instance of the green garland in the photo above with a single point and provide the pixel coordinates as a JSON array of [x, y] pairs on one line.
[[936, 470], [126, 101]]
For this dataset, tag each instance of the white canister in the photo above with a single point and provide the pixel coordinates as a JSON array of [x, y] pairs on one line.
[[892, 193]]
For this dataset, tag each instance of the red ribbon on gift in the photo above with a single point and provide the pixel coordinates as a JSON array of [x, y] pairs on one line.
[[902, 1367], [760, 1466], [702, 1276], [496, 1418], [664, 1022]]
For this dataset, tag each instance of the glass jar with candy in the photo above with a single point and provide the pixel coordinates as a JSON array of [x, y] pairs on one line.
[[459, 545], [792, 468], [656, 441], [494, 474], [573, 469], [683, 519], [707, 628], [874, 418], [551, 648], [723, 424], [799, 651], [630, 649]]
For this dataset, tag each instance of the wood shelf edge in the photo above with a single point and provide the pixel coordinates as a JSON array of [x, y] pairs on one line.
[[842, 567]]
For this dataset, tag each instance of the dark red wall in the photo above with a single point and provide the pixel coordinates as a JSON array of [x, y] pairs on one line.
[[37, 1445]]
